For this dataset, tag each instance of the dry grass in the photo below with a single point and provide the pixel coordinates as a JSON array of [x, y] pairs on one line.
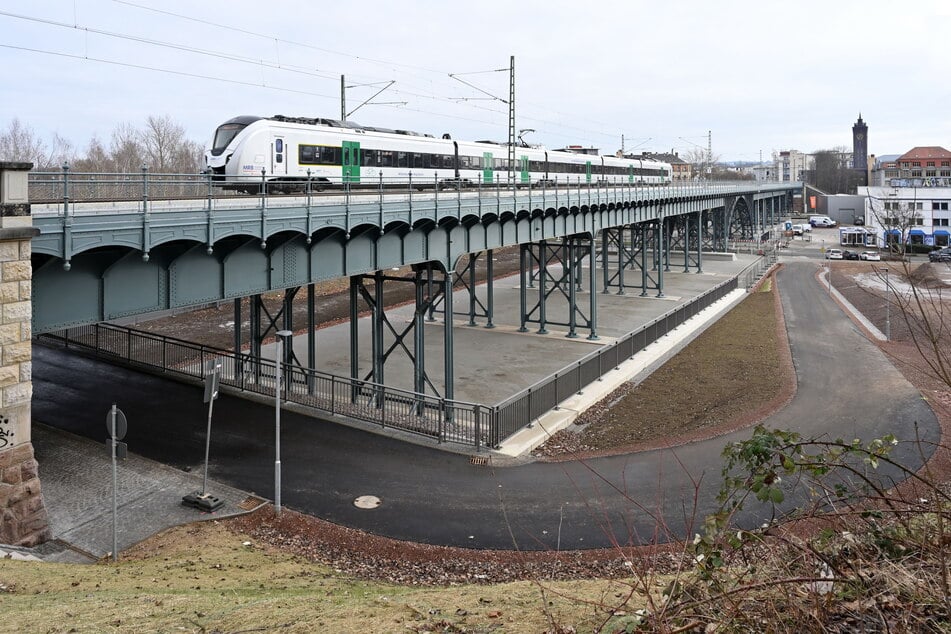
[[202, 578]]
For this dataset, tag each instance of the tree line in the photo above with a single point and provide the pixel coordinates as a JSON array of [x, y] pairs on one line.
[[159, 144]]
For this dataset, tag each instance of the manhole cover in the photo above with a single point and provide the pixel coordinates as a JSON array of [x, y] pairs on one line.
[[367, 502], [250, 503]]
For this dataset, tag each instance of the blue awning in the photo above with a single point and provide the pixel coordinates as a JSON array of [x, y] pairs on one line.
[[894, 232], [942, 232], [916, 232]]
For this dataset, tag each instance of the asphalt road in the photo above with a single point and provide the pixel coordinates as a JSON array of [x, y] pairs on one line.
[[846, 388]]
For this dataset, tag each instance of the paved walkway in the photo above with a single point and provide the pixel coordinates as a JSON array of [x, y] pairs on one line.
[[428, 495]]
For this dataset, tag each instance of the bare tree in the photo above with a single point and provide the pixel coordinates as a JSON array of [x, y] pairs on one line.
[[96, 159], [167, 148], [832, 172], [703, 162], [126, 149], [20, 142]]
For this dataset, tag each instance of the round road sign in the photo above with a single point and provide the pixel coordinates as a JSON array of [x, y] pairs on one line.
[[121, 424]]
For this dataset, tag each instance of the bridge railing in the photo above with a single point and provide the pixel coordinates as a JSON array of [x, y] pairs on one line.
[[437, 418], [62, 190], [524, 408]]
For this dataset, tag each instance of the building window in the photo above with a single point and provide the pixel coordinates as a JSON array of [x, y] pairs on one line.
[[943, 206], [930, 164], [916, 173]]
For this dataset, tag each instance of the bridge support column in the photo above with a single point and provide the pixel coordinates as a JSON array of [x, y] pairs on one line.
[[568, 255], [699, 242], [23, 517], [660, 247], [383, 345], [627, 251]]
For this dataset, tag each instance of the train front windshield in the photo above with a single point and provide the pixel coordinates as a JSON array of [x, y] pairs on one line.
[[223, 136]]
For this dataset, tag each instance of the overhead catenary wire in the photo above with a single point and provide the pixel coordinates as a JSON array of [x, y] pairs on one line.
[[568, 131]]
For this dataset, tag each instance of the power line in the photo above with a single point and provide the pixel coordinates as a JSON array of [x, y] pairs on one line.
[[388, 63], [271, 37], [273, 65], [165, 70], [171, 45]]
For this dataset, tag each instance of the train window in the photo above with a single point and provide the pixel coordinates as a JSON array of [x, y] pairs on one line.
[[330, 156], [419, 160], [278, 145], [385, 158], [402, 159], [307, 154], [476, 162]]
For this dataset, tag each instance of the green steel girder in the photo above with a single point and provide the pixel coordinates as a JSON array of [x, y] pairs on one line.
[[92, 267]]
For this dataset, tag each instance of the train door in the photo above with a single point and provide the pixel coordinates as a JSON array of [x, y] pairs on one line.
[[488, 167], [523, 169], [587, 171], [630, 173], [350, 161], [278, 156]]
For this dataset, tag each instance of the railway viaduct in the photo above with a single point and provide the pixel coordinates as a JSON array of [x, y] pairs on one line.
[[73, 261]]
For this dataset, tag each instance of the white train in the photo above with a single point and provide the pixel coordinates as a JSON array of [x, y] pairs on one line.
[[290, 150]]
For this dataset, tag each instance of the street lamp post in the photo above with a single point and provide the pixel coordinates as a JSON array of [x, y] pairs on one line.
[[281, 336], [888, 321]]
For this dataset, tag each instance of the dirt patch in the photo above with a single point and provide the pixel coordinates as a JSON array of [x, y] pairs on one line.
[[737, 372], [930, 275]]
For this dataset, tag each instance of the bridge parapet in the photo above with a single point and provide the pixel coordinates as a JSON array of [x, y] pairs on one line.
[[23, 513]]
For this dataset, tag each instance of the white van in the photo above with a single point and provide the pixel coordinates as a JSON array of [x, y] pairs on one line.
[[821, 221]]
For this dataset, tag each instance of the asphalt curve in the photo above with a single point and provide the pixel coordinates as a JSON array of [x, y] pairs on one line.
[[846, 387]]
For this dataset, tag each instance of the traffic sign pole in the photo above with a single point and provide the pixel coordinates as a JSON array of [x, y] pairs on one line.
[[115, 484], [201, 499]]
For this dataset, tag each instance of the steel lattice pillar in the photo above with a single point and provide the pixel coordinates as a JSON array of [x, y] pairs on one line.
[[626, 240], [387, 338], [568, 256], [467, 280]]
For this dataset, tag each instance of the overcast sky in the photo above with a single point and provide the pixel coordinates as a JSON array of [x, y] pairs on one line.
[[760, 75]]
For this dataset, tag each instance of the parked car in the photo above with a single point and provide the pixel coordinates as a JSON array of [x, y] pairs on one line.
[[821, 221], [858, 221], [871, 256], [850, 255], [941, 255], [797, 230], [834, 254]]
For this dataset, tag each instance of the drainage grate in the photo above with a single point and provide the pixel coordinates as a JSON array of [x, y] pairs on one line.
[[250, 503], [479, 460]]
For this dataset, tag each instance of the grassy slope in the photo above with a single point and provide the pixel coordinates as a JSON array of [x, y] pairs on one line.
[[201, 578]]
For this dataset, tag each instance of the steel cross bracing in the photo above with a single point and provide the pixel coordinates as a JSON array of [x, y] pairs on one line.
[[650, 235], [426, 293], [567, 257], [627, 254], [262, 323], [466, 278]]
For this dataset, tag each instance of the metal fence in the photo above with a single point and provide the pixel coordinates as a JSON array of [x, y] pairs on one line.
[[66, 188], [440, 419]]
